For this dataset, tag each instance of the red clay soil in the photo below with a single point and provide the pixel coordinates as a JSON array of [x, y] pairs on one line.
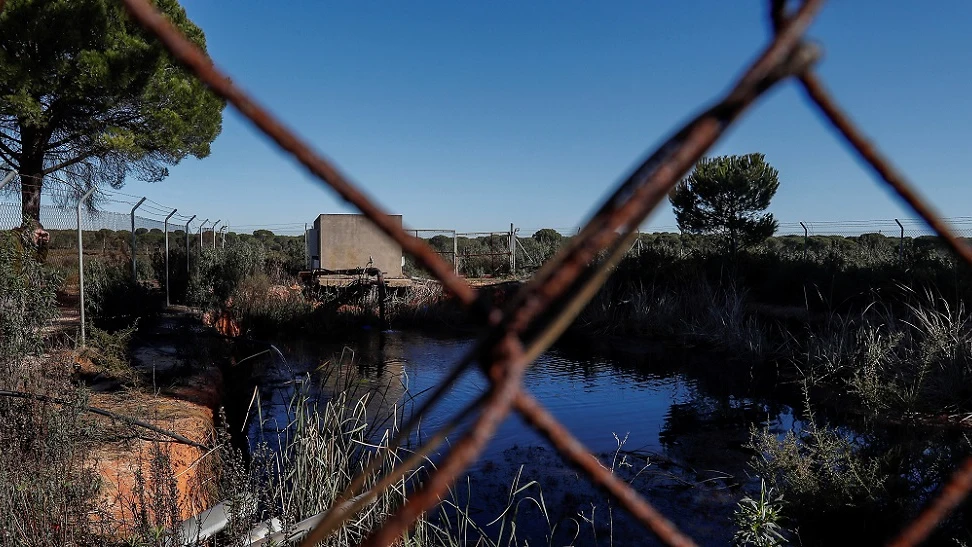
[[188, 411]]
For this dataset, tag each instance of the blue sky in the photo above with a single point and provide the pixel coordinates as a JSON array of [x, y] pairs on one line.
[[472, 115]]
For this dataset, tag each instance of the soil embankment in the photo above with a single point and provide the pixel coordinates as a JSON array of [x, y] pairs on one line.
[[177, 387]]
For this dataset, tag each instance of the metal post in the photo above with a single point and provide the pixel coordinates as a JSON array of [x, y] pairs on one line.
[[134, 269], [222, 241], [806, 241], [512, 252], [222, 237], [200, 233], [188, 269], [9, 177], [900, 240], [81, 262], [455, 252], [307, 254], [215, 224], [165, 231]]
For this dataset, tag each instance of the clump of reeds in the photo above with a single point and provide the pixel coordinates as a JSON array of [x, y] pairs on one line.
[[696, 311], [903, 360], [299, 469]]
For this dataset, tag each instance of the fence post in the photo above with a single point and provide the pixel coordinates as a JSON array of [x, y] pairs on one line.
[[222, 237], [455, 252], [215, 224], [512, 251], [188, 269], [134, 269], [806, 241], [165, 231], [7, 178], [81, 262], [900, 240], [200, 234]]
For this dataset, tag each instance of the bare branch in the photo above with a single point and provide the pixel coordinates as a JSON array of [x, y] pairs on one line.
[[7, 152], [68, 163]]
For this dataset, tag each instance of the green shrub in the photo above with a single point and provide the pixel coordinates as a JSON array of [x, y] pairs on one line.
[[758, 521], [109, 352], [817, 469], [28, 292], [112, 299]]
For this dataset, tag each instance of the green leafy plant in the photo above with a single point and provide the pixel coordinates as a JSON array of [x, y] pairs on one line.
[[109, 352], [758, 521], [28, 293]]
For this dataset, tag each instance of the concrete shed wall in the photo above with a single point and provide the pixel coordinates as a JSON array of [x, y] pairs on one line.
[[348, 241]]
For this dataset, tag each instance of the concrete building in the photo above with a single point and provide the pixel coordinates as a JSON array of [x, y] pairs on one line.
[[345, 242]]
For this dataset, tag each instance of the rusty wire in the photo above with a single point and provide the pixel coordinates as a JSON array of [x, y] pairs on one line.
[[547, 304]]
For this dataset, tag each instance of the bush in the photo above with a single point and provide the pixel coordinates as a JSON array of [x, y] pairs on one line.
[[108, 352], [28, 303], [49, 487], [112, 299]]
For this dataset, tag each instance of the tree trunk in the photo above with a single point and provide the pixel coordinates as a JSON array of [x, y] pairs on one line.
[[30, 197], [31, 180], [31, 170]]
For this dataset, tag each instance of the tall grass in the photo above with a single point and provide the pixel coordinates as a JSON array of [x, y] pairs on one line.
[[696, 311], [49, 487], [895, 360], [299, 469]]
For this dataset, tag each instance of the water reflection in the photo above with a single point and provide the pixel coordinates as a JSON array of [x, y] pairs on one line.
[[684, 417]]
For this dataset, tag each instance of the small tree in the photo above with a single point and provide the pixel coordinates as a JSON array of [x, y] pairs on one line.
[[548, 241], [726, 196]]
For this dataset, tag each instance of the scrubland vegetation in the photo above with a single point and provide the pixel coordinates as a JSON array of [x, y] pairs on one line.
[[868, 338]]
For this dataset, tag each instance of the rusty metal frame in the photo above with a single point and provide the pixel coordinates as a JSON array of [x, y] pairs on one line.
[[515, 335]]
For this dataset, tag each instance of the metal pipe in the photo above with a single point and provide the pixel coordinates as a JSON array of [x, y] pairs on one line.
[[134, 268], [188, 269], [222, 238], [806, 241], [81, 262], [512, 249], [200, 233], [215, 224], [165, 231], [900, 240], [7, 178]]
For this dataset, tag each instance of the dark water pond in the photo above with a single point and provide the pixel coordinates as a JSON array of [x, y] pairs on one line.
[[685, 415]]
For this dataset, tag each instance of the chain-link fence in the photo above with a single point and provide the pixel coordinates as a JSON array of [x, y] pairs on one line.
[[516, 334], [904, 227], [106, 229]]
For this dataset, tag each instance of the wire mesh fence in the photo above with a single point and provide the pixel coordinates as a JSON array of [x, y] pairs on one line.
[[906, 227], [105, 229], [513, 336]]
